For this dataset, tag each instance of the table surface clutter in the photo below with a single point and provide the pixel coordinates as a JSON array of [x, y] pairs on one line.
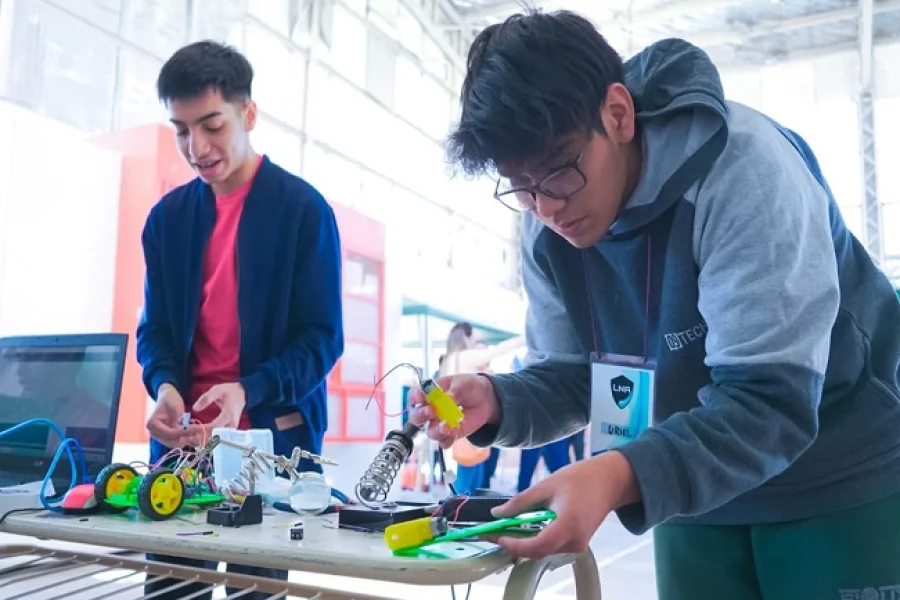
[[324, 548]]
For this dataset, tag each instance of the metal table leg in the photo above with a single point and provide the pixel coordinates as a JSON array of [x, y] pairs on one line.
[[526, 576]]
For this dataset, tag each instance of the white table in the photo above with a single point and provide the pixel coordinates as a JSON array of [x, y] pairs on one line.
[[325, 549]]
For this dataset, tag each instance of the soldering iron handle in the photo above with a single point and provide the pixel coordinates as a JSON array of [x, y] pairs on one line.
[[411, 429]]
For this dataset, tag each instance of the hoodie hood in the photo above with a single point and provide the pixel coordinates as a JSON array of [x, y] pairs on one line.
[[680, 106]]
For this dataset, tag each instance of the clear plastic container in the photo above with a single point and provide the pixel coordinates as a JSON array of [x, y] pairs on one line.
[[229, 462]]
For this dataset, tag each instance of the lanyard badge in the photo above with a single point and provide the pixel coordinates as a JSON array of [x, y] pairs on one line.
[[623, 388], [622, 400]]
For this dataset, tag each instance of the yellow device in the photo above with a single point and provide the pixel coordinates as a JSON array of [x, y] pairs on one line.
[[412, 534], [445, 407]]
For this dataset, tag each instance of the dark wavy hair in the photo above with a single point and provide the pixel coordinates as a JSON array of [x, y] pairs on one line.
[[530, 80]]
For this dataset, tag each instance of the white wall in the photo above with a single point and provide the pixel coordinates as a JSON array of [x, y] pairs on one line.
[[58, 223]]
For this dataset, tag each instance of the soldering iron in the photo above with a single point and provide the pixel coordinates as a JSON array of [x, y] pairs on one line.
[[375, 484]]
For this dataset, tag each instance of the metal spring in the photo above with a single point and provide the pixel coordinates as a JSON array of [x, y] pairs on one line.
[[244, 483], [375, 484]]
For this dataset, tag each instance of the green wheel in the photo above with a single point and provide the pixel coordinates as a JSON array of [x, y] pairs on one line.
[[161, 494], [113, 479]]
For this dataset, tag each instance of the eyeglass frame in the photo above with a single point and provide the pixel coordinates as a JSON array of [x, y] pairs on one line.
[[574, 164]]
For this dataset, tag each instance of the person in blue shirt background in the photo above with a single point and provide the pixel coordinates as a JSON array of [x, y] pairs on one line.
[[555, 454]]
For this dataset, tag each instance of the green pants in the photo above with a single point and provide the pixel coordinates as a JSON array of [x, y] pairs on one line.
[[850, 555]]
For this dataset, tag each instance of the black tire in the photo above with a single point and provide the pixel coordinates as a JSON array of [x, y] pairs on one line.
[[113, 475], [160, 509]]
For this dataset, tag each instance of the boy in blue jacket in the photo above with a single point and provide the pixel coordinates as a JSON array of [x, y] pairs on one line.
[[242, 317], [693, 292]]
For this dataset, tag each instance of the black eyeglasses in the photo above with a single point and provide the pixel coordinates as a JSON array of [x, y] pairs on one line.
[[561, 184]]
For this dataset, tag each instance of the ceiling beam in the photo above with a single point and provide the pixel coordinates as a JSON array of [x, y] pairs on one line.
[[425, 12], [805, 54], [717, 38], [622, 18], [867, 14], [872, 223]]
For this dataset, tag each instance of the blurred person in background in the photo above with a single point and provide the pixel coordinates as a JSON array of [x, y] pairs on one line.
[[555, 454], [242, 318], [465, 354]]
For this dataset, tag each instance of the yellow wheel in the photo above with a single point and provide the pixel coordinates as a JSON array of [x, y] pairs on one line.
[[113, 480], [161, 494]]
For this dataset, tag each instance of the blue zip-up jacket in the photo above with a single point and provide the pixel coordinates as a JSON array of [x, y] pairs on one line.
[[776, 338], [289, 300]]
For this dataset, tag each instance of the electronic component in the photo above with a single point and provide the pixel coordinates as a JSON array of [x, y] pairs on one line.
[[413, 534], [471, 509], [185, 421], [378, 519], [297, 533]]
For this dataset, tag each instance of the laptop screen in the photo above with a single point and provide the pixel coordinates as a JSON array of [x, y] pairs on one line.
[[74, 385]]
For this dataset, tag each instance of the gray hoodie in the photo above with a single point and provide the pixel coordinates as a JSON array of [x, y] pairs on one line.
[[776, 339]]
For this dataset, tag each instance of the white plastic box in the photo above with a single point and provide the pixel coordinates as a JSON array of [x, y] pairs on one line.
[[229, 462]]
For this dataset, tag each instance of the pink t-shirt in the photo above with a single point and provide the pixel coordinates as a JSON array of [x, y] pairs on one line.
[[217, 339]]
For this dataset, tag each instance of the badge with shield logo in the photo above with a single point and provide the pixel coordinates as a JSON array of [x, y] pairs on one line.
[[622, 390], [622, 400]]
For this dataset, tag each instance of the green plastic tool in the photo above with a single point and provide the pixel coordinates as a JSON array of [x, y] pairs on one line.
[[455, 535]]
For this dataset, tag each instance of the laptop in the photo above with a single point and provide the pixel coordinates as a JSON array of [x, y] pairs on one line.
[[72, 380]]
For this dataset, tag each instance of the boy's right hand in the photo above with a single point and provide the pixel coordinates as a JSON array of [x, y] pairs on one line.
[[164, 424], [473, 393]]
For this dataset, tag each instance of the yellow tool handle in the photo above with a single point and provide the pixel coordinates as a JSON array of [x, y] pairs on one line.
[[445, 407]]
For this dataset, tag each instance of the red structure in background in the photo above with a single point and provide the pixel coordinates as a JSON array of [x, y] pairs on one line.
[[351, 382], [151, 166]]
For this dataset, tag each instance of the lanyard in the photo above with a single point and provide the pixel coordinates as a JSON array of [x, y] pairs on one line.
[[587, 280]]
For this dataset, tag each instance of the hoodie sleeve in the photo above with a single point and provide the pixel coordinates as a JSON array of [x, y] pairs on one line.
[[550, 398], [768, 290]]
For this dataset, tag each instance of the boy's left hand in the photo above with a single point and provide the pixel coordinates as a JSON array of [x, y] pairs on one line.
[[581, 495]]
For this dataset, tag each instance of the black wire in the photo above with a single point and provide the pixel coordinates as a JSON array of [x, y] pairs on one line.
[[18, 510], [385, 376], [443, 465]]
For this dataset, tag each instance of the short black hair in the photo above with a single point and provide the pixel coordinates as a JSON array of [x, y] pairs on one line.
[[197, 67], [530, 80]]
